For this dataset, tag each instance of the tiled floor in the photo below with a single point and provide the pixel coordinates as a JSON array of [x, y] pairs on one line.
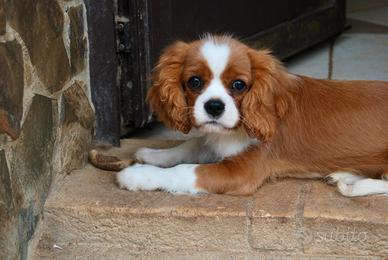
[[359, 53]]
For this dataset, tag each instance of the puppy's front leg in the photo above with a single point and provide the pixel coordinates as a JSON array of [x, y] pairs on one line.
[[191, 151], [231, 176], [181, 178]]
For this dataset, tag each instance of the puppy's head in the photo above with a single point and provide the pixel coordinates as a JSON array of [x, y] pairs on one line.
[[218, 84]]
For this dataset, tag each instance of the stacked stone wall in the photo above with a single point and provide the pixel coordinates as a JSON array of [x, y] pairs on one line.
[[46, 116]]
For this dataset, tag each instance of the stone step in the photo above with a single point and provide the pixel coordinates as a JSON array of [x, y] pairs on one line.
[[89, 217]]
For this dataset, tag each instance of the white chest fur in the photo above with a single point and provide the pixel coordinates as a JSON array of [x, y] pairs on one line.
[[225, 145]]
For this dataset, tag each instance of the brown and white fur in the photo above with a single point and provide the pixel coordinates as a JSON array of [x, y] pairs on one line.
[[278, 125]]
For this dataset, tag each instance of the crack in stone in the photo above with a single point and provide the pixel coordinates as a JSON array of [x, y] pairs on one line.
[[248, 217], [306, 189]]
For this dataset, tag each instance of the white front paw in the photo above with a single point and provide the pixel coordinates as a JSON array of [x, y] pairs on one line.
[[179, 179], [137, 177]]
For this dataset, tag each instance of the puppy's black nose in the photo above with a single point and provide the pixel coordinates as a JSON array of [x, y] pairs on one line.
[[214, 107]]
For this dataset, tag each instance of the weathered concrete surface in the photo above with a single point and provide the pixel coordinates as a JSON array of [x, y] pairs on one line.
[[89, 217], [118, 252], [274, 217], [336, 224]]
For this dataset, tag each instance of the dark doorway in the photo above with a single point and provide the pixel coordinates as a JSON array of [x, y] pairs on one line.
[[144, 27]]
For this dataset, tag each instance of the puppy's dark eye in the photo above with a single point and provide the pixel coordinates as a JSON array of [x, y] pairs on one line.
[[195, 83], [238, 85]]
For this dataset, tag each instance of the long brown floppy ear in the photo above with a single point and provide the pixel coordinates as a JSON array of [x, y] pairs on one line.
[[267, 100], [166, 97]]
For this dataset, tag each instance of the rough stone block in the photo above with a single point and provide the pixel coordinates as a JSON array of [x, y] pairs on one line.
[[31, 167], [2, 18], [75, 130], [11, 88], [26, 189], [34, 149], [77, 106], [40, 25], [77, 39], [6, 200], [8, 228]]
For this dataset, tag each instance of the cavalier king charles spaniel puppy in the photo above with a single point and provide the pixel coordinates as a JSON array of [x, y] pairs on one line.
[[259, 122]]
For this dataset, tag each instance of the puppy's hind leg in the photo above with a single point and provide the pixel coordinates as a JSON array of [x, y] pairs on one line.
[[351, 185], [363, 187], [343, 177]]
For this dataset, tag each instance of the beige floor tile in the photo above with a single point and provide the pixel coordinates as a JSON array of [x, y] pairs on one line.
[[361, 56], [313, 62]]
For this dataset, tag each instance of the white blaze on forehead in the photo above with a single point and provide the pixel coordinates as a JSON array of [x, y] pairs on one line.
[[216, 55], [217, 58]]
